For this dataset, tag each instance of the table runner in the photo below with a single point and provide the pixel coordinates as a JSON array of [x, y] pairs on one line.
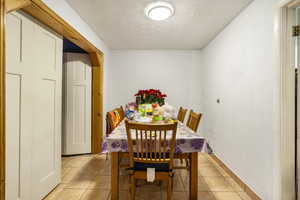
[[187, 141]]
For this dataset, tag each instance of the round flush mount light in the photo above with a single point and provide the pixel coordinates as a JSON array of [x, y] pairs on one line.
[[159, 10]]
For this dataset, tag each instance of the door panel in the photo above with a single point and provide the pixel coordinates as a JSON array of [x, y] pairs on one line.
[[13, 127], [77, 86], [45, 135], [14, 26], [47, 44], [296, 47], [33, 122], [80, 135], [19, 98], [47, 132]]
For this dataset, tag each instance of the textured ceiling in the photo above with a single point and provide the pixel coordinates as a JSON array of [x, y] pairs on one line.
[[122, 23]]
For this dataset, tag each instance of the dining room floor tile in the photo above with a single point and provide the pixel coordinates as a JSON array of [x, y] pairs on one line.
[[95, 194], [87, 177], [218, 184], [209, 170], [226, 196], [66, 194], [206, 196], [100, 182], [244, 196]]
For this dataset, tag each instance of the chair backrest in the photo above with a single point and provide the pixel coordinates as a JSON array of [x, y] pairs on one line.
[[121, 112], [151, 143], [181, 114], [109, 123], [194, 120], [113, 119]]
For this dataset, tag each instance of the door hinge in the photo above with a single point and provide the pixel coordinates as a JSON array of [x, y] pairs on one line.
[[296, 31]]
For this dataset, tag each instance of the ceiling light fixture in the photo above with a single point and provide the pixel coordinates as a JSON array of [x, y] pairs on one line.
[[159, 10]]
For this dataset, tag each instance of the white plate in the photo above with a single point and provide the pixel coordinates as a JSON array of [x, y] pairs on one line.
[[144, 119]]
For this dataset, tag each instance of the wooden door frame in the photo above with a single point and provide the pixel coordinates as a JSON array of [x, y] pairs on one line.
[[44, 14], [2, 100], [284, 108]]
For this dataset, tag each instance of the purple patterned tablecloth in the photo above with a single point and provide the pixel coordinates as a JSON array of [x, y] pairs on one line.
[[187, 141]]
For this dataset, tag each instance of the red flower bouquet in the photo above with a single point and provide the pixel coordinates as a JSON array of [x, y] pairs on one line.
[[150, 96]]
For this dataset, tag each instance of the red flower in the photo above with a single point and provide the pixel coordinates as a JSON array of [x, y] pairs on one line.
[[139, 93], [151, 95], [151, 91]]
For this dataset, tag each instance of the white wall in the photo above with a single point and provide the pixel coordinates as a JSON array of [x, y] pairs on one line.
[[239, 69], [177, 73]]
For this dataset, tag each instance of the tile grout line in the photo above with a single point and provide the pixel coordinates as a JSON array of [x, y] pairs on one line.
[[181, 178]]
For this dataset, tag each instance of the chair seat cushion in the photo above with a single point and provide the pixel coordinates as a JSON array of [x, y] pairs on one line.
[[159, 167]]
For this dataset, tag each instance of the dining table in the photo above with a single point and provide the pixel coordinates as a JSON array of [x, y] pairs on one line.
[[188, 142]]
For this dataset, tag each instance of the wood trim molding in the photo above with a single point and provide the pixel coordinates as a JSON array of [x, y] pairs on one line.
[[244, 186], [96, 59], [284, 162], [13, 5], [294, 4], [2, 100], [44, 14], [97, 102]]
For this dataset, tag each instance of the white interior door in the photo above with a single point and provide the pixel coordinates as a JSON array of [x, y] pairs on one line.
[[77, 104], [296, 48], [19, 98], [46, 143], [33, 111]]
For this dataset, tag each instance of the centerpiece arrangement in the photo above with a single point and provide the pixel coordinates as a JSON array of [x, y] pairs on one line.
[[149, 103], [150, 96]]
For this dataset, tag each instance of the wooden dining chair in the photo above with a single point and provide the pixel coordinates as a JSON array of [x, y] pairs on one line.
[[193, 120], [180, 117], [111, 122], [108, 126], [121, 112], [181, 114], [151, 146], [113, 119], [193, 123]]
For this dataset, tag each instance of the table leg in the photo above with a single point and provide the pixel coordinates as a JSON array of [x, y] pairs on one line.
[[115, 176], [194, 176]]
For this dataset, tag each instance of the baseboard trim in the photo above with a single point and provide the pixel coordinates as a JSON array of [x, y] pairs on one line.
[[245, 187]]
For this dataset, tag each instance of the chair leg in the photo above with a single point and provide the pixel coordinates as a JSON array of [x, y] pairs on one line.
[[133, 187], [169, 189], [160, 183], [172, 175], [187, 163]]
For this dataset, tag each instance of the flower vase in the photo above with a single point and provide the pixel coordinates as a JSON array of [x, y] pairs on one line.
[[148, 109], [142, 110], [138, 100]]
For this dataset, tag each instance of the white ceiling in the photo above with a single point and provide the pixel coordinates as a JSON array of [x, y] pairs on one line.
[[123, 25]]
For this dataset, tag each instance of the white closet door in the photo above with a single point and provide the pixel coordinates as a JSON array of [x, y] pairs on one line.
[[19, 106], [46, 145], [33, 97], [77, 113]]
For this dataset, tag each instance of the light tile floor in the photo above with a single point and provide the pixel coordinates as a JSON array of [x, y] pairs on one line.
[[87, 177]]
